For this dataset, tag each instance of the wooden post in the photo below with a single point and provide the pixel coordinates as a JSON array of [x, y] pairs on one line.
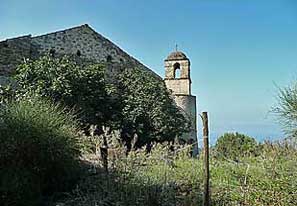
[[104, 153], [206, 198], [104, 156]]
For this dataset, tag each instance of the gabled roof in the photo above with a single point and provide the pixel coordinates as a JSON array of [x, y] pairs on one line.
[[106, 45]]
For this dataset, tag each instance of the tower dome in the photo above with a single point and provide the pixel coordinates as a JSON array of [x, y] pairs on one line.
[[176, 55]]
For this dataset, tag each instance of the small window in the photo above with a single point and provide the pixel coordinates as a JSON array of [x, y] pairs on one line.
[[5, 45], [52, 52], [78, 53], [108, 58], [176, 71]]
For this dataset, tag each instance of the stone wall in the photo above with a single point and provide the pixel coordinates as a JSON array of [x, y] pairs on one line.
[[179, 86], [187, 103], [12, 52], [82, 42]]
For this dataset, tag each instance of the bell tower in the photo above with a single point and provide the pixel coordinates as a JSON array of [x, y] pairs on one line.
[[177, 73], [178, 80]]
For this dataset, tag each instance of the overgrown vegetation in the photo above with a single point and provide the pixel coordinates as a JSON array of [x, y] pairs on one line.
[[39, 151], [6, 94], [137, 102], [44, 156], [172, 177], [40, 140]]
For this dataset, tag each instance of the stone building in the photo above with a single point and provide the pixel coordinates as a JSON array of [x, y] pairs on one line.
[[178, 80], [85, 43], [81, 41]]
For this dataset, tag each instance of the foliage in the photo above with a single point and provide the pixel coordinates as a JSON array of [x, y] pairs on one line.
[[140, 178], [39, 151], [79, 86], [6, 93], [148, 109], [268, 179], [287, 109], [234, 145], [138, 103], [172, 177]]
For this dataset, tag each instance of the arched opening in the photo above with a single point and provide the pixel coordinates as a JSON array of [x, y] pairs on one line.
[[176, 71]]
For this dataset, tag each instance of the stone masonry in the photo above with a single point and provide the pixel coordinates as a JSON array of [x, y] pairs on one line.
[[81, 41]]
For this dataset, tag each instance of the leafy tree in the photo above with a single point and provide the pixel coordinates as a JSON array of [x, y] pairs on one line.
[[234, 145], [138, 103], [79, 86], [287, 109], [148, 109]]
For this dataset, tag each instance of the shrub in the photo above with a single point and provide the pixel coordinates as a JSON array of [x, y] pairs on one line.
[[235, 145], [39, 151]]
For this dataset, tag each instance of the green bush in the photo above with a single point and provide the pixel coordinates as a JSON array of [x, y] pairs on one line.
[[39, 151], [235, 145]]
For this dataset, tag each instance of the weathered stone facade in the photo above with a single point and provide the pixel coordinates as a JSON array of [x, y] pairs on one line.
[[181, 88], [81, 41]]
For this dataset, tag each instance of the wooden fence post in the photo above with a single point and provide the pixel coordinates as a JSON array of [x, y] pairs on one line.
[[104, 151], [206, 197], [104, 156]]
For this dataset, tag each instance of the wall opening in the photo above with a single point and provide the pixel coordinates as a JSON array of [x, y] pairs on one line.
[[176, 71], [109, 58], [52, 52], [5, 44]]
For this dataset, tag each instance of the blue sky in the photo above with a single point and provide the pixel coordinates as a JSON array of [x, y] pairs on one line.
[[239, 49]]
